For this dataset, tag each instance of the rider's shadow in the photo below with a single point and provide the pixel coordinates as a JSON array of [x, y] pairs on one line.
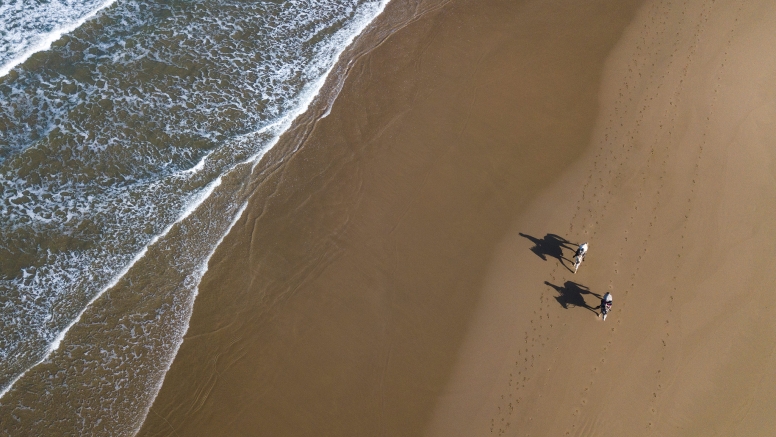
[[572, 294], [549, 246]]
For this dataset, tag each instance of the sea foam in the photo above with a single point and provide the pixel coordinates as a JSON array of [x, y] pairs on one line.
[[124, 142], [30, 27]]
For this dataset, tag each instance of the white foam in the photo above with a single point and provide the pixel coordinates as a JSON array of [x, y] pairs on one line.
[[54, 345], [288, 109], [43, 41], [200, 165]]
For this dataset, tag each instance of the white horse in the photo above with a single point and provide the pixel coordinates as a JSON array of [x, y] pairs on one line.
[[579, 256]]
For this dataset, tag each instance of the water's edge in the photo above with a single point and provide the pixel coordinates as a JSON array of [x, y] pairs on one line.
[[198, 207]]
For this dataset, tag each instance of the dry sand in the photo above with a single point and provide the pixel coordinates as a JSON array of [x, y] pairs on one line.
[[386, 278]]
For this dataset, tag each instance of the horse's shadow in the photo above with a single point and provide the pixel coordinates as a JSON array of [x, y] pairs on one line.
[[571, 294], [550, 246]]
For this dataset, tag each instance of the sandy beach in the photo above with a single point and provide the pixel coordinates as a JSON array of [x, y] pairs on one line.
[[403, 267]]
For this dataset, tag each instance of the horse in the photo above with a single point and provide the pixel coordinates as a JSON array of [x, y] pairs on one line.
[[579, 256], [606, 304]]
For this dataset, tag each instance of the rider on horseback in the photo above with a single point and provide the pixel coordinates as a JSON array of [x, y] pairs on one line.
[[579, 255], [581, 251], [606, 304]]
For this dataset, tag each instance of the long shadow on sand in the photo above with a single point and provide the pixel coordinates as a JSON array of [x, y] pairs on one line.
[[550, 246], [571, 294]]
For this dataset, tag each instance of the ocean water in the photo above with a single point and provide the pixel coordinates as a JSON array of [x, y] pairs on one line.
[[128, 132]]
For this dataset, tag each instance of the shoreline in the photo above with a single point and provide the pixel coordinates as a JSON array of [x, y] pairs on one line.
[[429, 165], [396, 272], [37, 374]]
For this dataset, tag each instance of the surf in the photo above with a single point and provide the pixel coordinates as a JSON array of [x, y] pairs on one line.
[[182, 196]]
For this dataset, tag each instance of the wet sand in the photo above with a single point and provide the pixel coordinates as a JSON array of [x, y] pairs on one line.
[[397, 273]]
